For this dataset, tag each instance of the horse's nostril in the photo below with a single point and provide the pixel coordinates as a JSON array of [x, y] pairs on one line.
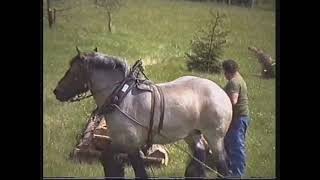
[[55, 91]]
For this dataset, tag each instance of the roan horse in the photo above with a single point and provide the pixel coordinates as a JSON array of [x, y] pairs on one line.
[[191, 103]]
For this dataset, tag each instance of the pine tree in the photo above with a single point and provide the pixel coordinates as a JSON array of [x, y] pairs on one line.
[[208, 46]]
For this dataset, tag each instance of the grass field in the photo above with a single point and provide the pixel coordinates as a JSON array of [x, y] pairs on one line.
[[159, 32]]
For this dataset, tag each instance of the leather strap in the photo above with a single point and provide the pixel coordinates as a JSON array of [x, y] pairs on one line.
[[162, 107], [153, 100]]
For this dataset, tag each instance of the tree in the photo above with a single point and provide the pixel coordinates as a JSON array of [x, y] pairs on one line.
[[208, 46], [50, 16], [110, 6]]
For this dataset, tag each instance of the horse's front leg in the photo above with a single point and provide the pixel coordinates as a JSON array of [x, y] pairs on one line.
[[112, 167], [138, 164]]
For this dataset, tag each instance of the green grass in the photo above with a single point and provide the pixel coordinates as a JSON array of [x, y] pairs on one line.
[[159, 31]]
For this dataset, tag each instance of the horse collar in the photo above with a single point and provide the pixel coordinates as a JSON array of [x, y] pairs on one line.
[[118, 95]]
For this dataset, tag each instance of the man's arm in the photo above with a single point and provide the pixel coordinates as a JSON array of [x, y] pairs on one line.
[[234, 98], [233, 89]]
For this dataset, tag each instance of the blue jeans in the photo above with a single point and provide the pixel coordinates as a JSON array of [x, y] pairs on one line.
[[235, 145]]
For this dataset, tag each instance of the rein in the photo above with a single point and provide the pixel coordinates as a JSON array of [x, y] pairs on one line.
[[84, 95]]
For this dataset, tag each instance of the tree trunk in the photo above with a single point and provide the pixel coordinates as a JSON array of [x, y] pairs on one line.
[[229, 2], [49, 10], [54, 15], [251, 3], [109, 21]]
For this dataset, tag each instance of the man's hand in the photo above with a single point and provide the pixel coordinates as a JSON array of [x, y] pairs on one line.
[[234, 98]]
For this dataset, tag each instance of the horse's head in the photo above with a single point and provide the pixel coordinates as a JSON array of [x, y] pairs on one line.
[[94, 71], [75, 81]]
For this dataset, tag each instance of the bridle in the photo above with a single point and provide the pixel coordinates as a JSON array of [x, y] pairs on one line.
[[134, 72], [85, 95]]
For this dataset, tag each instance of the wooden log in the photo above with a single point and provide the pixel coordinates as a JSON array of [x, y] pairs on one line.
[[101, 142], [107, 138], [266, 62], [146, 159], [88, 156], [95, 139], [102, 123], [159, 151], [102, 128]]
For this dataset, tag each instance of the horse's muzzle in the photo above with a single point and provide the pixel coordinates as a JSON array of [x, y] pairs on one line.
[[59, 95], [55, 92]]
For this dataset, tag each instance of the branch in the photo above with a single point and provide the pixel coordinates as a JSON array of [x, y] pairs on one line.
[[212, 33]]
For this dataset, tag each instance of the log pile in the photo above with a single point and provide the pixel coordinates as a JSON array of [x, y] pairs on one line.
[[95, 139], [266, 62]]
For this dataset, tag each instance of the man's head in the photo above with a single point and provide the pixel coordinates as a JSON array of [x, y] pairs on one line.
[[230, 68]]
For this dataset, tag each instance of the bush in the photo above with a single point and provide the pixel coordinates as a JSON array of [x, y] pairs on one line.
[[208, 46]]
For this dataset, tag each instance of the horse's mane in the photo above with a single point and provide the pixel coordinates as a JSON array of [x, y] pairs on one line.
[[106, 62]]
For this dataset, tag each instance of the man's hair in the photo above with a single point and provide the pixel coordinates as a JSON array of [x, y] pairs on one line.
[[230, 66]]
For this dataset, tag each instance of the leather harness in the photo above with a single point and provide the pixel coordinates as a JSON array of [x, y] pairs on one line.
[[162, 107], [130, 82]]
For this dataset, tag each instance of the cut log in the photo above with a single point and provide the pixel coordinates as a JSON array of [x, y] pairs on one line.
[[159, 151], [102, 137], [147, 159], [95, 139], [153, 160], [266, 62]]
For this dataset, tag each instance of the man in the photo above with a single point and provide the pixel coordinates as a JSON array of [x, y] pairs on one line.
[[236, 89]]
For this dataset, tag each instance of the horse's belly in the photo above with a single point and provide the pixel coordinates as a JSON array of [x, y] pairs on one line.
[[179, 119]]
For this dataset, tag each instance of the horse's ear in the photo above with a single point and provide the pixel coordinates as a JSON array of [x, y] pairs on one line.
[[95, 49], [78, 50]]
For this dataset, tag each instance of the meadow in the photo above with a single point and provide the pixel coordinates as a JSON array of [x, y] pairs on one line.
[[159, 32]]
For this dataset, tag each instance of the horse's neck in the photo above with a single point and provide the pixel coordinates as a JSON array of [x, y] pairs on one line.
[[102, 85], [100, 98]]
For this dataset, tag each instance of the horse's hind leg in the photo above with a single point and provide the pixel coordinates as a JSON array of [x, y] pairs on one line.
[[198, 149], [218, 151]]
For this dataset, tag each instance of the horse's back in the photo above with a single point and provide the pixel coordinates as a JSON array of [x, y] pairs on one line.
[[200, 96], [207, 90], [204, 87]]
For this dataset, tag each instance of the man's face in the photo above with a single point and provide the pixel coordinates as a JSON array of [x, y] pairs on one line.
[[227, 75]]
